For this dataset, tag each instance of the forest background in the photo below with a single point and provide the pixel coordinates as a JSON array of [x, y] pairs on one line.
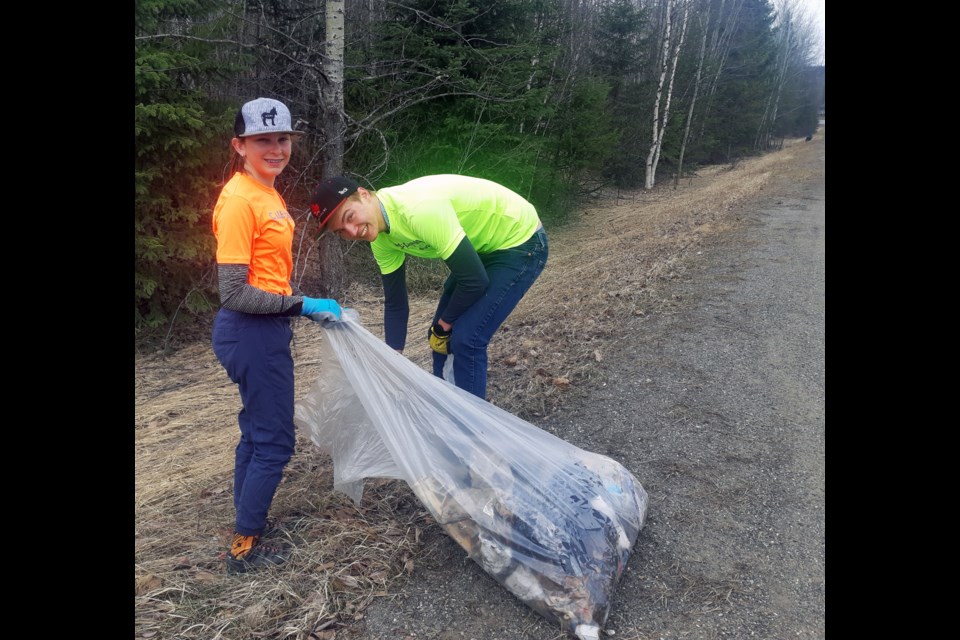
[[558, 100]]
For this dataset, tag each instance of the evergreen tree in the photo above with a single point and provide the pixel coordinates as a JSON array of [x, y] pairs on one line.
[[740, 95], [179, 154], [619, 57], [467, 88]]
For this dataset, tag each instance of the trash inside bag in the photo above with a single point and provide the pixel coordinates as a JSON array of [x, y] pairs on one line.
[[552, 523]]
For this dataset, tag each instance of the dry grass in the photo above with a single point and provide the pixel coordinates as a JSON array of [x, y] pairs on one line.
[[601, 270]]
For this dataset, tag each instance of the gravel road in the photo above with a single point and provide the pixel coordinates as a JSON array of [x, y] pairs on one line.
[[718, 410]]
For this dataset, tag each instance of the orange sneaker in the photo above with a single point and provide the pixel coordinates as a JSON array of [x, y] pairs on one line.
[[248, 553]]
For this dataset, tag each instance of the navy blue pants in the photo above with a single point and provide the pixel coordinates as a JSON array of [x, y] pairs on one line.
[[511, 272], [255, 351]]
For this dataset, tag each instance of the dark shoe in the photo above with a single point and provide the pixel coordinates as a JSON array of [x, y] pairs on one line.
[[247, 553]]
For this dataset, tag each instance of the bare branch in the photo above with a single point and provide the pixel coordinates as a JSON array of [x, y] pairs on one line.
[[259, 46]]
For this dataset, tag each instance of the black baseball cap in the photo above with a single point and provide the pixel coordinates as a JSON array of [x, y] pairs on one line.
[[328, 195]]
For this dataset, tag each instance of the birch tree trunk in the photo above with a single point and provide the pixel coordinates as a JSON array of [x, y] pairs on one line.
[[334, 128], [670, 55], [705, 27], [665, 58], [331, 94], [675, 57]]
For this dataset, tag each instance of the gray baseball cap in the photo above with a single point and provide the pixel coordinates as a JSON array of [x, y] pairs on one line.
[[263, 115]]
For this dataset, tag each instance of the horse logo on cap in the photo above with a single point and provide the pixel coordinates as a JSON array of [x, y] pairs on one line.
[[271, 115]]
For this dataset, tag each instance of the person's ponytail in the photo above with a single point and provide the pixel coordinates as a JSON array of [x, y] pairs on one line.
[[237, 163]]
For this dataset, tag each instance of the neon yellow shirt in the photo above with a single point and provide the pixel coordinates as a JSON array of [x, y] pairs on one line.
[[429, 216]]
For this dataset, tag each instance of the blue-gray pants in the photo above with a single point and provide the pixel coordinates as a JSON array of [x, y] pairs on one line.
[[255, 351], [511, 272]]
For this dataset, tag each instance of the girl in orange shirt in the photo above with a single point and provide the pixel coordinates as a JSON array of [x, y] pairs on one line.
[[251, 332]]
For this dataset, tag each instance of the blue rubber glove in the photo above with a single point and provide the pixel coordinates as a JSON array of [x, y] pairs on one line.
[[320, 309]]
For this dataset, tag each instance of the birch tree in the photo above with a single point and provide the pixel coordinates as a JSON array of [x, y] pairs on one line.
[[704, 18], [330, 93], [795, 48], [670, 54]]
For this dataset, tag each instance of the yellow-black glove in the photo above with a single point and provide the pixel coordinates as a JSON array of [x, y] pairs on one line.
[[439, 339]]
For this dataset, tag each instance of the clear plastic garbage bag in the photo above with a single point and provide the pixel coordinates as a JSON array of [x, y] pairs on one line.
[[552, 523]]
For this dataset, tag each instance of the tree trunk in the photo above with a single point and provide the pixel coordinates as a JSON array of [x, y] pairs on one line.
[[664, 49], [666, 109], [769, 117], [670, 54], [696, 92], [787, 51], [331, 100], [719, 49]]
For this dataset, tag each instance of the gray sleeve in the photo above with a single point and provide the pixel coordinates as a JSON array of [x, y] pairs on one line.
[[237, 295]]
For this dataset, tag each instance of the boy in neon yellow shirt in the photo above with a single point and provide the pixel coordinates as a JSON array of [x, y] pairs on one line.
[[491, 239]]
